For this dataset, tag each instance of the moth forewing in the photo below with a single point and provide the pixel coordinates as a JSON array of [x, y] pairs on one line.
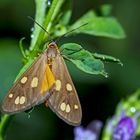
[[26, 91], [64, 100]]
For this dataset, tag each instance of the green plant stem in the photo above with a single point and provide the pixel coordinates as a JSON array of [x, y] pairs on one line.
[[5, 121], [57, 9], [41, 6], [47, 20]]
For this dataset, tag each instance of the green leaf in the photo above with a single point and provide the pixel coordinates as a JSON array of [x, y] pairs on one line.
[[99, 26], [107, 58], [67, 12], [39, 17], [82, 59]]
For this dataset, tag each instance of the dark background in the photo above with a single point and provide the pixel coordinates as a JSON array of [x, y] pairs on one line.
[[98, 95]]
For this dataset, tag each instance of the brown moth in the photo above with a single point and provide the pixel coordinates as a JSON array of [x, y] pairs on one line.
[[46, 80]]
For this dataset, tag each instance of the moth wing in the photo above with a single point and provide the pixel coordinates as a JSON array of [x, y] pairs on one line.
[[29, 89], [64, 100]]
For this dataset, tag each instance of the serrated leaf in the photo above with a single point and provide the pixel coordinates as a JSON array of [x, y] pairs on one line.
[[99, 26], [83, 59], [39, 17], [107, 58]]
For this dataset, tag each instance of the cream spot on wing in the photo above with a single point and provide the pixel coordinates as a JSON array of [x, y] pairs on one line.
[[75, 106], [34, 82], [23, 80], [57, 85], [10, 95], [22, 100], [63, 106], [69, 87], [17, 100], [68, 108]]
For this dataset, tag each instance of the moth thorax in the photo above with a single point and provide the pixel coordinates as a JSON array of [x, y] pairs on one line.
[[52, 50]]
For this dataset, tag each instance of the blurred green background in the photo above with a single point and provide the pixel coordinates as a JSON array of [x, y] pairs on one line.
[[98, 95]]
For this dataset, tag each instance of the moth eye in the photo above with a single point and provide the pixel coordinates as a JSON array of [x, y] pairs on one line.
[[23, 80], [57, 85], [75, 106], [34, 82], [68, 87], [68, 108]]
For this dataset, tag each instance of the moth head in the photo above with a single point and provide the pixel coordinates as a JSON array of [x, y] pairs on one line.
[[52, 50]]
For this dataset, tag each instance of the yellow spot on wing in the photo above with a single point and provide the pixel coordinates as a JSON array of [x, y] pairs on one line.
[[57, 85], [10, 95], [75, 106], [23, 80], [68, 108], [22, 100], [68, 87], [17, 100], [48, 80], [63, 106], [34, 82]]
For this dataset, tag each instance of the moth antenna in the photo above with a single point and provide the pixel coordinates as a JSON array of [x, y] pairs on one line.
[[41, 27], [64, 35]]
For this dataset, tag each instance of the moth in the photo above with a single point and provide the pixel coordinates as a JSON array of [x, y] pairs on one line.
[[46, 80]]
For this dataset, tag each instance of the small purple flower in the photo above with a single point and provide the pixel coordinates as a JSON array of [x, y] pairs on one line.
[[90, 133], [125, 129], [84, 134]]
